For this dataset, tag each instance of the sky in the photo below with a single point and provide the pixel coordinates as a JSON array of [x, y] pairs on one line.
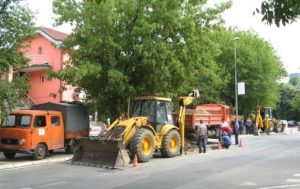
[[285, 40]]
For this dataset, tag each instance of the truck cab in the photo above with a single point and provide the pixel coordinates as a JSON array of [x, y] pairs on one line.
[[32, 131]]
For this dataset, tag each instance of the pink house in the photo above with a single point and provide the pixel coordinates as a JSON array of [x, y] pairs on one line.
[[45, 54]]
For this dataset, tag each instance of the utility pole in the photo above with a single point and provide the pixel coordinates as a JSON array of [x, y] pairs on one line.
[[235, 79]]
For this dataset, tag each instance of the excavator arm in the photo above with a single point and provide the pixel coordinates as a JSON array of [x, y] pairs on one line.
[[183, 102]]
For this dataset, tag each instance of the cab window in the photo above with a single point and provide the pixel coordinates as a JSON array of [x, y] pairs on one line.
[[161, 116], [40, 121], [55, 121]]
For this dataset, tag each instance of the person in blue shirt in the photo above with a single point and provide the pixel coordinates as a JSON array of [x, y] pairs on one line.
[[226, 141]]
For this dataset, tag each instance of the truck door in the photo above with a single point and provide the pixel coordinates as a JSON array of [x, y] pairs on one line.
[[39, 130], [56, 131]]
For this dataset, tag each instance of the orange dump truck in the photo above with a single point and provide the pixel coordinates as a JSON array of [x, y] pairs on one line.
[[44, 128], [211, 114]]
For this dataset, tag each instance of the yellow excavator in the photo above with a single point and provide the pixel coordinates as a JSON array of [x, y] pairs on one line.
[[265, 121], [149, 128]]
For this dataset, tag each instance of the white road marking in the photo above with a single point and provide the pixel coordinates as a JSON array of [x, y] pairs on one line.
[[52, 184], [248, 184], [297, 175], [283, 186], [293, 180]]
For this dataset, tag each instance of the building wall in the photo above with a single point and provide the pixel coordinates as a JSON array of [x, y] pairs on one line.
[[42, 89], [68, 93]]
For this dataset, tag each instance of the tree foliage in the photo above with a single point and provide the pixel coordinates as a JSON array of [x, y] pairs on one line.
[[288, 106], [280, 11], [127, 48], [16, 27], [257, 65]]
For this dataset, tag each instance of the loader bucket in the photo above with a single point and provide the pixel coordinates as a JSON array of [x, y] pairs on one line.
[[100, 153]]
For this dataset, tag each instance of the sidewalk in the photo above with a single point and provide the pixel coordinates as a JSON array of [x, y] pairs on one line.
[[26, 160]]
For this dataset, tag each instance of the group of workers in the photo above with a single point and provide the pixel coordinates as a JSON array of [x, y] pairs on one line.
[[226, 131]]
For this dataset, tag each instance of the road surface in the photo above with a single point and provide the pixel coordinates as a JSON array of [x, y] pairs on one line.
[[265, 162]]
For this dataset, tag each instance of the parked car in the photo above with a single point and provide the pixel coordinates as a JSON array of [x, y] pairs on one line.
[[284, 123], [96, 128], [291, 123]]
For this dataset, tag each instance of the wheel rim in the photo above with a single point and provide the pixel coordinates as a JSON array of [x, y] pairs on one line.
[[41, 151], [147, 145], [173, 143]]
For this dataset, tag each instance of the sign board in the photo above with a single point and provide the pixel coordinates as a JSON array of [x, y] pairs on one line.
[[241, 88], [41, 132]]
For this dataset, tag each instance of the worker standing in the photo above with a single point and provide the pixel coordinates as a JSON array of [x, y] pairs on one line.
[[236, 131], [241, 125], [201, 131], [248, 126]]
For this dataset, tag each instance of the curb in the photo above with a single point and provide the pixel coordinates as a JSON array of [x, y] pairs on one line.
[[15, 165]]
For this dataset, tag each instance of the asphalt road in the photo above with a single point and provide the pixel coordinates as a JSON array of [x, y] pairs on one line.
[[265, 162]]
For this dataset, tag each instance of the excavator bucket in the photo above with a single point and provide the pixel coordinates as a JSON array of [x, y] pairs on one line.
[[100, 153]]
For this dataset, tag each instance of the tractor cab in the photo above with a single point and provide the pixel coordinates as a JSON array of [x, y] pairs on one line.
[[157, 109], [266, 112]]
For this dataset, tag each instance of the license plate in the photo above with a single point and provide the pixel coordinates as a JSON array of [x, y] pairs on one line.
[[9, 146]]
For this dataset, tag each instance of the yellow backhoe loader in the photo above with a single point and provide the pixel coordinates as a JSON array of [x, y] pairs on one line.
[[149, 128], [265, 121]]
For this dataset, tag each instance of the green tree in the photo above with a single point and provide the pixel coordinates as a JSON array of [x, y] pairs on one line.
[[284, 106], [288, 106], [16, 29], [126, 48], [295, 102], [280, 11], [257, 65]]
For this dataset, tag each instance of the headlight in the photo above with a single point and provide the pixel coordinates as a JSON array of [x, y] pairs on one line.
[[22, 141]]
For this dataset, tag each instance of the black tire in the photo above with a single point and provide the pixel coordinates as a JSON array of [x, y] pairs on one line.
[[171, 144], [49, 152], [143, 145], [70, 149], [9, 155], [40, 152]]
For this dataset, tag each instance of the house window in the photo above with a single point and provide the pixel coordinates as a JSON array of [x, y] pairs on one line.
[[42, 78], [40, 50]]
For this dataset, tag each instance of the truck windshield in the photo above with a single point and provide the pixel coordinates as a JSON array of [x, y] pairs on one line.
[[17, 120]]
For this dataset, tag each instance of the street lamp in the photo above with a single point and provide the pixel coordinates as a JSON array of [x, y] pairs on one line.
[[235, 79]]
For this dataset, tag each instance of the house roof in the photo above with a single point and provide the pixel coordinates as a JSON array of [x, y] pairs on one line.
[[52, 35], [57, 35]]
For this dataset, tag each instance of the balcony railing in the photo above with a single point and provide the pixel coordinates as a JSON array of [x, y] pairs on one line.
[[41, 59], [37, 63]]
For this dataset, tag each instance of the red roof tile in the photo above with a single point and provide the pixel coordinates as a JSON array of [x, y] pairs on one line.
[[57, 35]]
